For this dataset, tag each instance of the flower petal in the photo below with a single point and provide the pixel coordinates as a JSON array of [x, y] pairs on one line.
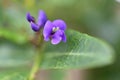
[[30, 18], [35, 27], [64, 37], [60, 23], [56, 38], [42, 18], [47, 30]]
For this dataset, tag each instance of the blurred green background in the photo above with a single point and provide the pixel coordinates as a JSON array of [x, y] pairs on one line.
[[99, 18]]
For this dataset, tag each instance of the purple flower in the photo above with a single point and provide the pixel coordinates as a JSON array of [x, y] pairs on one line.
[[54, 31], [42, 18]]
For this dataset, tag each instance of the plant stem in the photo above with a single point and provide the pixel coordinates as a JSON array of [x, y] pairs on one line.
[[36, 66], [38, 56]]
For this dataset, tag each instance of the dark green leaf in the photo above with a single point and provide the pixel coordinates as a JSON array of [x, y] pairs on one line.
[[80, 51]]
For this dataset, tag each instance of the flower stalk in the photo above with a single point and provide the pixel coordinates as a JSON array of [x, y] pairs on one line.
[[38, 56]]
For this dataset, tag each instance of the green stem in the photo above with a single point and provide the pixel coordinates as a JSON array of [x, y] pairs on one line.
[[35, 67], [38, 58]]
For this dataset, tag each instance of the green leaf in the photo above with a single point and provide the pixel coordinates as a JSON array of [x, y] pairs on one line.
[[80, 51], [57, 74], [13, 75], [14, 55], [13, 36]]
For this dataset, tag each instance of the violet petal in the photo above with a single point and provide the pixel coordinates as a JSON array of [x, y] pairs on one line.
[[35, 27], [47, 30], [60, 23], [64, 37], [42, 18], [30, 18], [56, 38]]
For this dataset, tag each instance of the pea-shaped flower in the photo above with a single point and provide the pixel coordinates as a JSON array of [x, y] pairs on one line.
[[55, 31], [42, 18]]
